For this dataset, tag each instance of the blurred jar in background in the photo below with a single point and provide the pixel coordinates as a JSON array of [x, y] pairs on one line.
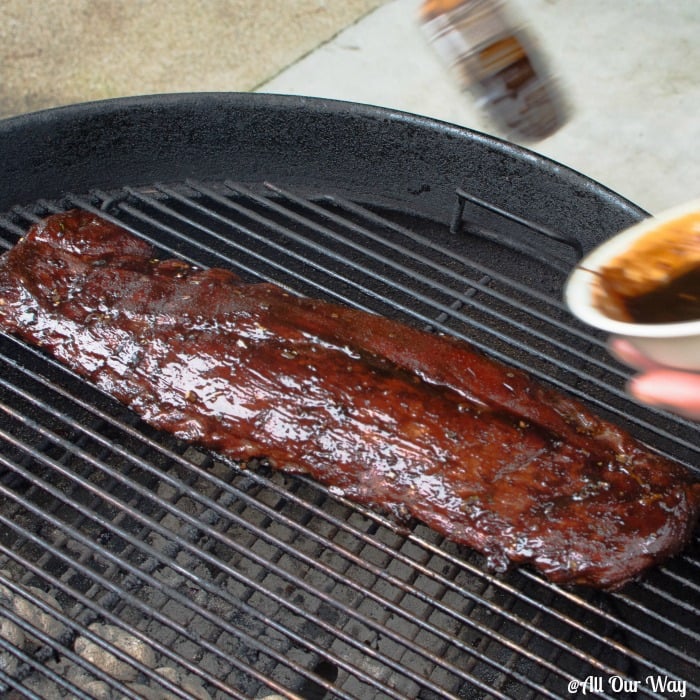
[[499, 63]]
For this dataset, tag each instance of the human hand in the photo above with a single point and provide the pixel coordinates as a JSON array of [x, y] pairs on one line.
[[655, 385]]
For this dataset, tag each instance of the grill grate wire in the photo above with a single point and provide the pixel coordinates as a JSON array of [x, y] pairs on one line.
[[293, 589]]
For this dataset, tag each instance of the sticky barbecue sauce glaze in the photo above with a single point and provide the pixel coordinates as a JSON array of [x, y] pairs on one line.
[[675, 302], [415, 423], [656, 279]]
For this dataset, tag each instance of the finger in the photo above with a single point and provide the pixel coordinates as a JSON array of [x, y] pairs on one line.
[[624, 351], [676, 391]]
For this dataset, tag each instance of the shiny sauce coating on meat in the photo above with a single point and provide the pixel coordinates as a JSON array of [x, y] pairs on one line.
[[415, 423]]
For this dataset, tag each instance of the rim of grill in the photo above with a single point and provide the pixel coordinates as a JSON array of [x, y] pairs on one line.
[[254, 582]]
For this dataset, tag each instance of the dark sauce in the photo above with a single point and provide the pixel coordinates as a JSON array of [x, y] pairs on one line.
[[675, 302]]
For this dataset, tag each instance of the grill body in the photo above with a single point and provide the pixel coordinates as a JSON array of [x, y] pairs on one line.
[[246, 582], [369, 154]]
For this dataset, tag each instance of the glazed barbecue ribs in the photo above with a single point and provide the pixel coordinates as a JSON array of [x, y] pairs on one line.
[[391, 416]]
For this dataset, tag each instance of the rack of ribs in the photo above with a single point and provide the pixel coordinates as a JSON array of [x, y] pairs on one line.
[[415, 423]]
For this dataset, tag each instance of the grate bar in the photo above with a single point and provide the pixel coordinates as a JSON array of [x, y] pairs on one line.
[[457, 221], [661, 619], [126, 596], [414, 237], [627, 627], [689, 608], [103, 612], [404, 252]]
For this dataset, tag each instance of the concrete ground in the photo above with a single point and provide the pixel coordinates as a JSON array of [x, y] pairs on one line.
[[631, 68], [56, 52]]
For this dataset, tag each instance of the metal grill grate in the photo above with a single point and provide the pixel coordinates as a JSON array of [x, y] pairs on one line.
[[245, 583]]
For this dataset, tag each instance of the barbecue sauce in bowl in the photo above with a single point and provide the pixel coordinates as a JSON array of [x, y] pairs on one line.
[[644, 285], [675, 302], [657, 279]]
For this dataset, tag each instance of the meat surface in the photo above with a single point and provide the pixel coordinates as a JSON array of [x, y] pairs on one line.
[[388, 415]]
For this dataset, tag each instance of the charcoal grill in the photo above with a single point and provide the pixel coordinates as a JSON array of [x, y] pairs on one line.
[[244, 583]]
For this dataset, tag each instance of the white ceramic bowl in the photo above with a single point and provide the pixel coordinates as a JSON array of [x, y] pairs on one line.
[[672, 344]]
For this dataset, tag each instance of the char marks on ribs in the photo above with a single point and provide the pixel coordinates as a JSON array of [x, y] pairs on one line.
[[385, 414]]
